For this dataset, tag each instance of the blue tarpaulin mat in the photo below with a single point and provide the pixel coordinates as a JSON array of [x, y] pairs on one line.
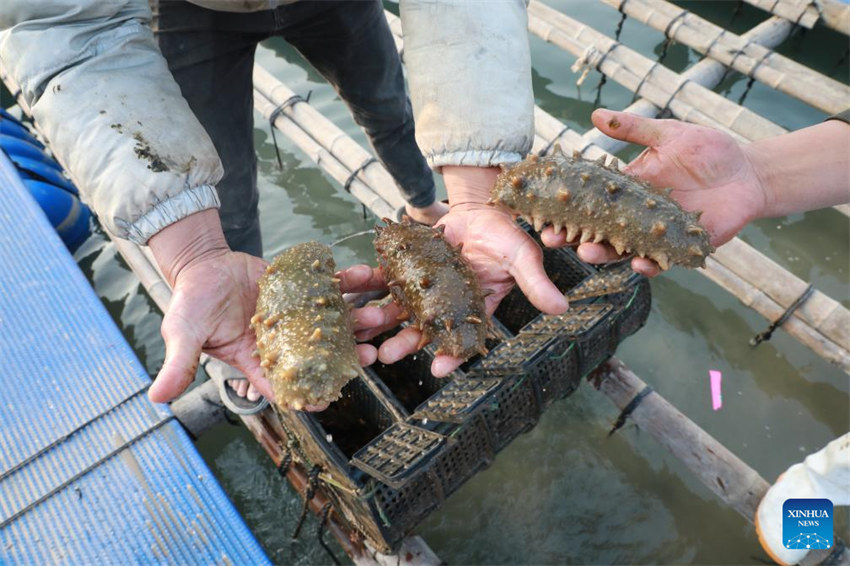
[[91, 472]]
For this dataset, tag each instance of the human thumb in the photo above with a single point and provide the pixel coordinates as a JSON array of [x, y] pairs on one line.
[[182, 352], [631, 127]]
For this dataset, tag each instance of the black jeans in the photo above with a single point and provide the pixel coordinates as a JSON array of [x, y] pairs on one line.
[[211, 55]]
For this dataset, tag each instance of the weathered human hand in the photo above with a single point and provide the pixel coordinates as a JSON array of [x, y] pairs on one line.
[[213, 301], [214, 297], [707, 169]]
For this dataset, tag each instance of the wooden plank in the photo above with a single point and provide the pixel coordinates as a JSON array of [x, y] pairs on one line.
[[767, 66]]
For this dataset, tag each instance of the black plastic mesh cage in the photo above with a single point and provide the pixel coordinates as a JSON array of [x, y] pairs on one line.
[[400, 441]]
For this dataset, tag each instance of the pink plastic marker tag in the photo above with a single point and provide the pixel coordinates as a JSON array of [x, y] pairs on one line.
[[716, 395]]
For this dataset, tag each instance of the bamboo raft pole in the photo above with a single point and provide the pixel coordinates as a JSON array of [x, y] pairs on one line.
[[807, 13], [726, 475], [685, 97], [327, 144], [750, 59], [830, 342]]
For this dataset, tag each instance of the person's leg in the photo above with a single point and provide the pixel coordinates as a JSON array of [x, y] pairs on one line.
[[351, 45], [211, 55]]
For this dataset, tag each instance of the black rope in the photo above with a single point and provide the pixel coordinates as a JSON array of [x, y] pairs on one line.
[[598, 99], [621, 22], [320, 532], [752, 76], [643, 80], [309, 493], [668, 39], [295, 98], [714, 42], [604, 78], [840, 62], [552, 142], [672, 96], [285, 463], [735, 14], [764, 336], [629, 409], [731, 65], [347, 185]]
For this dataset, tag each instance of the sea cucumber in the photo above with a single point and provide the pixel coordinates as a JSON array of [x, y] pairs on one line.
[[304, 334], [596, 202], [435, 285]]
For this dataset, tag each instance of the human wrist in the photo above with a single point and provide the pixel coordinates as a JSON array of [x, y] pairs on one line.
[[760, 165], [468, 185], [190, 240]]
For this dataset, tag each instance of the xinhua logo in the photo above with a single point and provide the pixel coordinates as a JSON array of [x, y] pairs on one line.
[[807, 524]]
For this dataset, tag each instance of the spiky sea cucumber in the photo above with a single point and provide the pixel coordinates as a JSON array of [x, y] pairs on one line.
[[303, 329], [596, 202], [435, 285]]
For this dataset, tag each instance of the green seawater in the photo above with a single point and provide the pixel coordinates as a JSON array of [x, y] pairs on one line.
[[564, 492]]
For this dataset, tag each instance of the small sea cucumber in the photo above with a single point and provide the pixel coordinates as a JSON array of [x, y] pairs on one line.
[[435, 285], [596, 202], [304, 334]]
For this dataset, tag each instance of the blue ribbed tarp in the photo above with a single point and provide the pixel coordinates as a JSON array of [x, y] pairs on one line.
[[91, 472]]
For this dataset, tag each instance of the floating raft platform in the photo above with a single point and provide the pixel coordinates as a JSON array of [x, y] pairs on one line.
[[91, 472]]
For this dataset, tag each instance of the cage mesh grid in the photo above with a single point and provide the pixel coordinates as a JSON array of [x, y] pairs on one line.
[[534, 360], [397, 453]]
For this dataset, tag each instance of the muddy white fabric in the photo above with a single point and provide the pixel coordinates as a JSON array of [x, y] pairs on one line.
[[822, 475], [101, 91], [469, 70]]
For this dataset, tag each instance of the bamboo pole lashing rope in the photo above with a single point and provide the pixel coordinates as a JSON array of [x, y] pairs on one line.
[[747, 57], [692, 101]]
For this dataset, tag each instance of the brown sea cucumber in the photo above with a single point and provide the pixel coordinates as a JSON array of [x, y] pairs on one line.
[[435, 285], [304, 334], [596, 202]]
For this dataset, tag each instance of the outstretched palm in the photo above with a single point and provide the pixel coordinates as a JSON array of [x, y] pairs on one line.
[[501, 254], [210, 311], [707, 169]]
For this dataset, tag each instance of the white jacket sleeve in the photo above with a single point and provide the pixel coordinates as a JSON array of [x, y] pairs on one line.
[[469, 69], [102, 93]]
